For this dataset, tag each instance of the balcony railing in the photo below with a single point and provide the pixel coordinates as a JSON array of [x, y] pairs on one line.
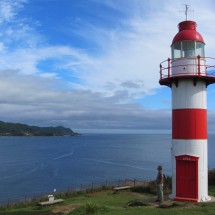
[[201, 67]]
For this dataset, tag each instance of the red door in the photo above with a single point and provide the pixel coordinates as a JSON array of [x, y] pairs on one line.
[[187, 177]]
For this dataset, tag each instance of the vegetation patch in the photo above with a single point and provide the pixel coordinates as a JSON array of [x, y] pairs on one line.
[[104, 202], [65, 209], [90, 208], [18, 129], [211, 177], [138, 202], [151, 187]]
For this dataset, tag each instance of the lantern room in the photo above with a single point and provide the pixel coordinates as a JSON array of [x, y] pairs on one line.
[[188, 57], [187, 42], [187, 49]]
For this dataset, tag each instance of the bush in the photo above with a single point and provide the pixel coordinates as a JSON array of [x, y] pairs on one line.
[[211, 177], [151, 187], [168, 185], [91, 208]]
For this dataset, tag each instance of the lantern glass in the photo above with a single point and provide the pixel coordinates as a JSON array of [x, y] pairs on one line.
[[186, 49]]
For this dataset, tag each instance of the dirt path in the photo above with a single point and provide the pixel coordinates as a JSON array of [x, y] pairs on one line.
[[64, 209]]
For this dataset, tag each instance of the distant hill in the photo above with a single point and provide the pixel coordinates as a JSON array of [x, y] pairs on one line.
[[18, 129]]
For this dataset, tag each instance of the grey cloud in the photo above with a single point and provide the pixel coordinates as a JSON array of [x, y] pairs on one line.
[[132, 84], [35, 100]]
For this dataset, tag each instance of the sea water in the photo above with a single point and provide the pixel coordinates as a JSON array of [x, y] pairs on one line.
[[30, 165]]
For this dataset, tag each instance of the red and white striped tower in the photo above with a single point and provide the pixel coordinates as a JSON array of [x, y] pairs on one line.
[[186, 73]]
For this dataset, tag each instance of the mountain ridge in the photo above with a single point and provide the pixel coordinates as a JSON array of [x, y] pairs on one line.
[[19, 129]]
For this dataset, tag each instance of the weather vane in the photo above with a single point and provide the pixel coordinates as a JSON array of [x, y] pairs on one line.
[[186, 10]]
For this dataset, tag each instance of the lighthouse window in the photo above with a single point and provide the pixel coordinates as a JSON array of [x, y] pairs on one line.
[[176, 50], [188, 48], [200, 49]]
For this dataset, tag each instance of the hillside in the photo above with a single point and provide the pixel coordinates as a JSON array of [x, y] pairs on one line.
[[18, 129]]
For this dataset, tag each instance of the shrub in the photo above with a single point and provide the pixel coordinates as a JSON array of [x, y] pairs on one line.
[[211, 177], [151, 187], [168, 185], [91, 208]]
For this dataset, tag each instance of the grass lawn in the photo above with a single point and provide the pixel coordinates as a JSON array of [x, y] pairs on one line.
[[108, 203]]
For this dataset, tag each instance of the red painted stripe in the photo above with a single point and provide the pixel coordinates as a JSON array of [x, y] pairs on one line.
[[189, 124]]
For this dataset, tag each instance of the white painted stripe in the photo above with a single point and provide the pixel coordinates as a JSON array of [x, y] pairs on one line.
[[187, 66], [186, 95], [197, 148]]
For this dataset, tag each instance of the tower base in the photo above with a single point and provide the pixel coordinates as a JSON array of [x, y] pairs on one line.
[[183, 199]]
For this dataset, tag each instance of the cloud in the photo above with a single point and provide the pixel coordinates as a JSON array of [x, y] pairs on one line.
[[99, 85], [132, 85], [16, 30], [128, 50], [9, 8], [35, 100]]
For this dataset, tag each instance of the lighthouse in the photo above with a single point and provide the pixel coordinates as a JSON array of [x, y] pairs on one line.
[[188, 75]]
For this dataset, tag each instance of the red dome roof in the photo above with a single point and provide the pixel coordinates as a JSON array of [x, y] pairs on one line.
[[187, 31]]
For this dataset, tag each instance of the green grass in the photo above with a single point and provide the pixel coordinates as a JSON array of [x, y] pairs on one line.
[[211, 190], [24, 211], [107, 203], [117, 204]]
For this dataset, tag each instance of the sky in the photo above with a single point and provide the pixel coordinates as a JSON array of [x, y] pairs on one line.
[[93, 64]]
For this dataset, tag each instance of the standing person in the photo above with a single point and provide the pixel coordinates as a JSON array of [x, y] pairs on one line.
[[159, 182]]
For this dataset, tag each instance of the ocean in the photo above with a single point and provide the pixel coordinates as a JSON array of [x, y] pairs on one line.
[[30, 165]]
